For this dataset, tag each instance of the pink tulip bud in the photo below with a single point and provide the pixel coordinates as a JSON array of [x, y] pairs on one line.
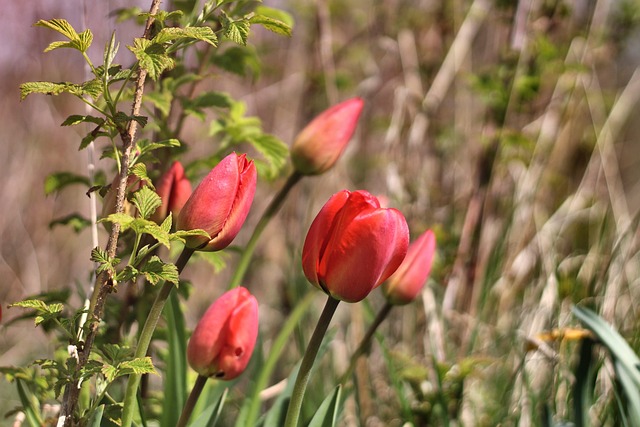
[[220, 204], [174, 189], [322, 141], [223, 341], [407, 282], [354, 245]]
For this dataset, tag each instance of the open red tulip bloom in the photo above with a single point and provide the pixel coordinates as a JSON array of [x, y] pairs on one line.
[[319, 145], [407, 282], [223, 341], [354, 245], [220, 204], [174, 189]]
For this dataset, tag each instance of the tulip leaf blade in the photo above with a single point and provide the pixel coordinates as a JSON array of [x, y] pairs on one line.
[[209, 417], [155, 270], [175, 373], [329, 411]]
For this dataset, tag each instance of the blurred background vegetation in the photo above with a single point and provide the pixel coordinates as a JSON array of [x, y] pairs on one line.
[[509, 127]]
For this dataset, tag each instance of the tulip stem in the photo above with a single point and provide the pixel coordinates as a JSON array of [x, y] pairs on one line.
[[191, 401], [365, 343], [268, 214], [299, 388], [145, 338]]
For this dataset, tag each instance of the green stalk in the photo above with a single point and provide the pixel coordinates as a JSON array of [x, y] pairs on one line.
[[268, 214], [145, 338], [365, 343], [299, 388], [191, 401], [274, 355]]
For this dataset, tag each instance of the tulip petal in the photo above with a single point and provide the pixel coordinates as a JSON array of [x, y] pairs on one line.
[[245, 191], [370, 248], [315, 242]]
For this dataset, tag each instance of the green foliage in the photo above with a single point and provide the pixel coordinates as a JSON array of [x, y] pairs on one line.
[[76, 41], [236, 129], [145, 199], [59, 180]]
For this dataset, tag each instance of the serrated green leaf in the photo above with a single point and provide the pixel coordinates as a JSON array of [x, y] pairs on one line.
[[167, 223], [116, 353], [155, 270], [76, 221], [49, 88], [60, 25], [271, 24], [206, 100], [161, 99], [152, 57], [59, 45], [144, 146], [124, 119], [170, 34], [85, 39], [182, 234], [36, 304], [75, 119], [217, 259], [128, 273], [236, 31], [110, 372], [100, 256], [240, 60], [275, 153], [145, 226], [147, 201], [90, 137], [93, 88], [140, 366], [59, 180], [123, 219], [140, 170], [110, 51]]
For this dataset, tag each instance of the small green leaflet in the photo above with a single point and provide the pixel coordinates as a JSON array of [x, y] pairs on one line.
[[59, 180], [152, 57], [155, 270], [271, 24], [45, 311], [77, 41], [140, 170], [172, 34], [101, 257], [147, 201], [236, 31], [142, 365]]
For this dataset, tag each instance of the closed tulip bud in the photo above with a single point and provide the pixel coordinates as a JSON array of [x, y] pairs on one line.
[[174, 189], [223, 341], [322, 141], [406, 283], [220, 204], [354, 245]]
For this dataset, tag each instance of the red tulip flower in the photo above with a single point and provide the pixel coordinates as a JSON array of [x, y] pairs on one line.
[[223, 341], [407, 282], [174, 189], [220, 204], [354, 245], [322, 141]]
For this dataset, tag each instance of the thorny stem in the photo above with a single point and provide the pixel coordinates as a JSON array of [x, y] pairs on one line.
[[268, 214], [299, 388], [104, 282], [145, 338], [365, 343], [191, 401]]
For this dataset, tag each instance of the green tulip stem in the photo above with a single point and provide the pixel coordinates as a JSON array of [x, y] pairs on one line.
[[191, 401], [365, 343], [268, 214], [145, 338], [275, 352], [299, 388]]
